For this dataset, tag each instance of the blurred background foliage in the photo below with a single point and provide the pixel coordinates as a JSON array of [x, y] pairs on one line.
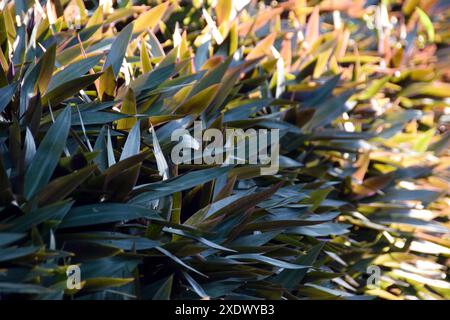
[[90, 93]]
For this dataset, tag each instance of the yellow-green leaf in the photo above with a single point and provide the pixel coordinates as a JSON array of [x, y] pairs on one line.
[[150, 19]]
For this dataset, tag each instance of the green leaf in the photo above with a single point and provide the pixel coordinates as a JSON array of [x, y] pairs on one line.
[[290, 279], [206, 242], [165, 290], [106, 213], [178, 260], [55, 211], [426, 22], [373, 89], [212, 77], [195, 286], [267, 260], [151, 80], [13, 253], [423, 140], [131, 243], [133, 142], [242, 204], [47, 155], [23, 288], [156, 47], [435, 89], [6, 94], [92, 118], [245, 109], [29, 148], [189, 180], [440, 146], [129, 108], [323, 92], [150, 19], [61, 187], [100, 146], [199, 102], [223, 10], [118, 49], [146, 65], [102, 283], [317, 196], [321, 230], [9, 237], [73, 71], [329, 110], [161, 163], [47, 65], [68, 89]]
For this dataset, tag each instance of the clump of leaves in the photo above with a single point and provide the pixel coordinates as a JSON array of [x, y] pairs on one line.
[[90, 96]]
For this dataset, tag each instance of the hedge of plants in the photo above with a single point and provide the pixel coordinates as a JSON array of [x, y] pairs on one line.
[[91, 92]]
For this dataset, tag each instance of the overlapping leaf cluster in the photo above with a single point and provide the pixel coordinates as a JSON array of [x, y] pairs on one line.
[[89, 97]]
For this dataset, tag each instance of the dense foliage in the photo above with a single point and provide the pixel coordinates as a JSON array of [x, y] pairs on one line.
[[89, 96]]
